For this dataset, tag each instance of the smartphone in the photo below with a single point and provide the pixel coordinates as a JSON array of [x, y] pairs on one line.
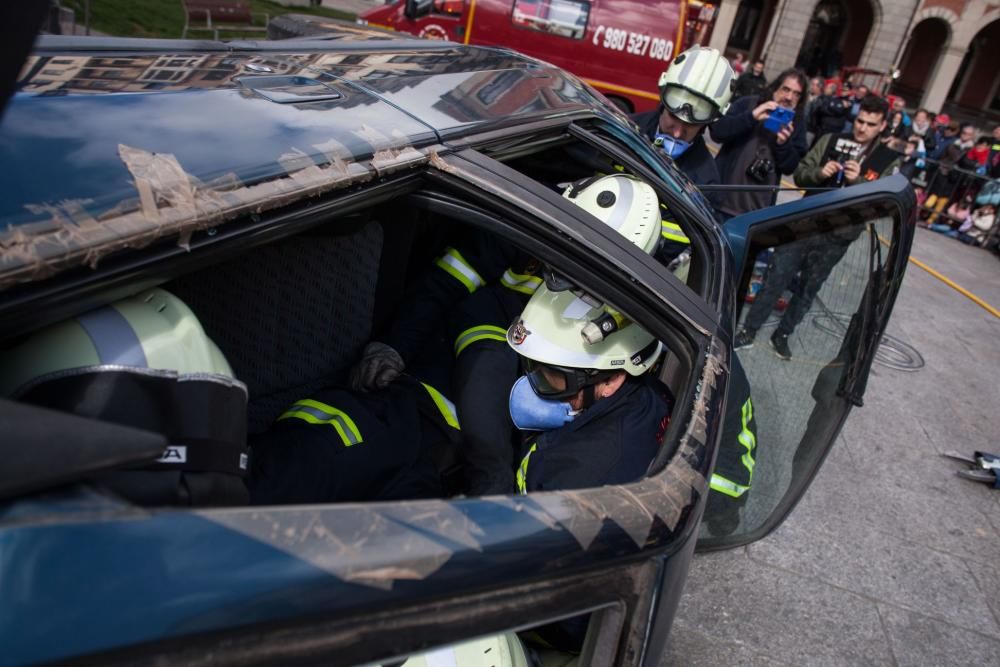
[[778, 118]]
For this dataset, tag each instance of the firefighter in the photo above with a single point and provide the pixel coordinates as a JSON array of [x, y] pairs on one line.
[[694, 92], [591, 412], [482, 296], [145, 362], [338, 445]]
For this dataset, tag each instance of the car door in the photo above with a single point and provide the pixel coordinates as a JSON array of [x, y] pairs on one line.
[[835, 262]]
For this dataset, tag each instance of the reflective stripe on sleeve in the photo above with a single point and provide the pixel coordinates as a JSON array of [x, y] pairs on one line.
[[315, 412], [726, 486], [525, 283], [748, 440], [447, 408], [474, 334], [522, 471], [673, 232], [458, 268]]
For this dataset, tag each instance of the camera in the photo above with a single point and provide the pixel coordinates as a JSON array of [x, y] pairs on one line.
[[760, 169]]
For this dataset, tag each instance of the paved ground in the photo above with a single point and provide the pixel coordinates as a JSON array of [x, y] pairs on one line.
[[890, 559]]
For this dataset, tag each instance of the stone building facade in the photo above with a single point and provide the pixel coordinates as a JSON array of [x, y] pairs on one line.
[[944, 50]]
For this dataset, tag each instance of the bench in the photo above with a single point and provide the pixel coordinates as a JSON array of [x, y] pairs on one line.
[[215, 15]]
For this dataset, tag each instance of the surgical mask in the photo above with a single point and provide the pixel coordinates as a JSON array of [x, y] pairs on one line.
[[531, 412], [672, 146]]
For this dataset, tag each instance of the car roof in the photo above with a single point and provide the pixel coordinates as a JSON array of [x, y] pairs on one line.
[[114, 143]]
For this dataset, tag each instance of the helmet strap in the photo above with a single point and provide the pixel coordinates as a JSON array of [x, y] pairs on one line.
[[588, 396]]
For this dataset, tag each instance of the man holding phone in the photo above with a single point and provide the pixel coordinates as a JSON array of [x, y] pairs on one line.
[[837, 160], [762, 137]]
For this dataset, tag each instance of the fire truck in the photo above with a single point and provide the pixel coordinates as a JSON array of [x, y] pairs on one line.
[[618, 46]]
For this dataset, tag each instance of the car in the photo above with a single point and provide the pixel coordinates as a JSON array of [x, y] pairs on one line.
[[288, 192]]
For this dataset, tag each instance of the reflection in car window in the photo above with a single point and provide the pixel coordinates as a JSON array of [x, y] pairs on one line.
[[803, 310], [566, 18]]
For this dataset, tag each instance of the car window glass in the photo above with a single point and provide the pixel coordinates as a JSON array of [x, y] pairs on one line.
[[806, 297]]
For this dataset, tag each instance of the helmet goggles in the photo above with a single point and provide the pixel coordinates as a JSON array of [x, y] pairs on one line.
[[689, 105], [560, 382]]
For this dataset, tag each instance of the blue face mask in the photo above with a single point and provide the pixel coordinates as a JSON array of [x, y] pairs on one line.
[[531, 412], [672, 146]]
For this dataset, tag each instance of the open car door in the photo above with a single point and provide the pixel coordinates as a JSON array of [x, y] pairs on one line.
[[825, 270]]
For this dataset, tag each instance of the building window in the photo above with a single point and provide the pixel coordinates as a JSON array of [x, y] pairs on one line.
[[566, 18], [745, 25]]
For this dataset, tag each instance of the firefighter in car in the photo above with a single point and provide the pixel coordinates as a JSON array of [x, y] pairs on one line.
[[589, 410], [478, 286]]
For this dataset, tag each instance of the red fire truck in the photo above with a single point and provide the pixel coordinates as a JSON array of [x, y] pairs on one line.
[[618, 46]]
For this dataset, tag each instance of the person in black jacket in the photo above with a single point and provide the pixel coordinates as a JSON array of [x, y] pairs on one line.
[[752, 82], [758, 145]]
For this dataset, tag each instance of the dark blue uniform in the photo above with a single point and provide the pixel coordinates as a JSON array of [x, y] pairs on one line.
[[342, 446], [611, 442], [696, 162]]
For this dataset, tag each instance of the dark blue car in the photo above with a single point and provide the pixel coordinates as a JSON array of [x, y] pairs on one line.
[[287, 192]]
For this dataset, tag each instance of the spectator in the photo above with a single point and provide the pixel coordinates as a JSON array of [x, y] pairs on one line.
[[815, 93], [751, 153], [815, 87], [983, 220], [752, 82], [859, 94], [946, 179], [944, 134], [899, 104], [832, 112], [993, 162], [959, 217], [895, 128], [837, 160], [913, 156], [975, 159], [739, 63], [921, 127]]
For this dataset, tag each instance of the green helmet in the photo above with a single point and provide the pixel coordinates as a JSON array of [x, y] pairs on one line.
[[153, 329], [697, 86], [623, 202], [551, 331]]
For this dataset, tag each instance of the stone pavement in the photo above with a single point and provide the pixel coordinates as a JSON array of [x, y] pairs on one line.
[[890, 558]]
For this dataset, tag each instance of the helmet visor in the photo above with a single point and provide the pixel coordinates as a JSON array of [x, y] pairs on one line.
[[688, 105]]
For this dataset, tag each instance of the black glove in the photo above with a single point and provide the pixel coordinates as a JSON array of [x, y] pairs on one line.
[[380, 364]]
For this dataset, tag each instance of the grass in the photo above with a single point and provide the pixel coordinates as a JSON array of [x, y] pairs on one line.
[[165, 18]]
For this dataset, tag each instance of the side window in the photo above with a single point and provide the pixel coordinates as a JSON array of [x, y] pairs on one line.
[[811, 299], [566, 18]]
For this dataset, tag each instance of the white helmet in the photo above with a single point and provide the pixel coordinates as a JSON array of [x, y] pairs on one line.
[[625, 203], [697, 86], [561, 362], [153, 329]]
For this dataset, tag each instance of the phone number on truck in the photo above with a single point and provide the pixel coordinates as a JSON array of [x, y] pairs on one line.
[[636, 43]]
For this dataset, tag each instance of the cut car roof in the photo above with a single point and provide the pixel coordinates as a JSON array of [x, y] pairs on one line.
[[116, 143]]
